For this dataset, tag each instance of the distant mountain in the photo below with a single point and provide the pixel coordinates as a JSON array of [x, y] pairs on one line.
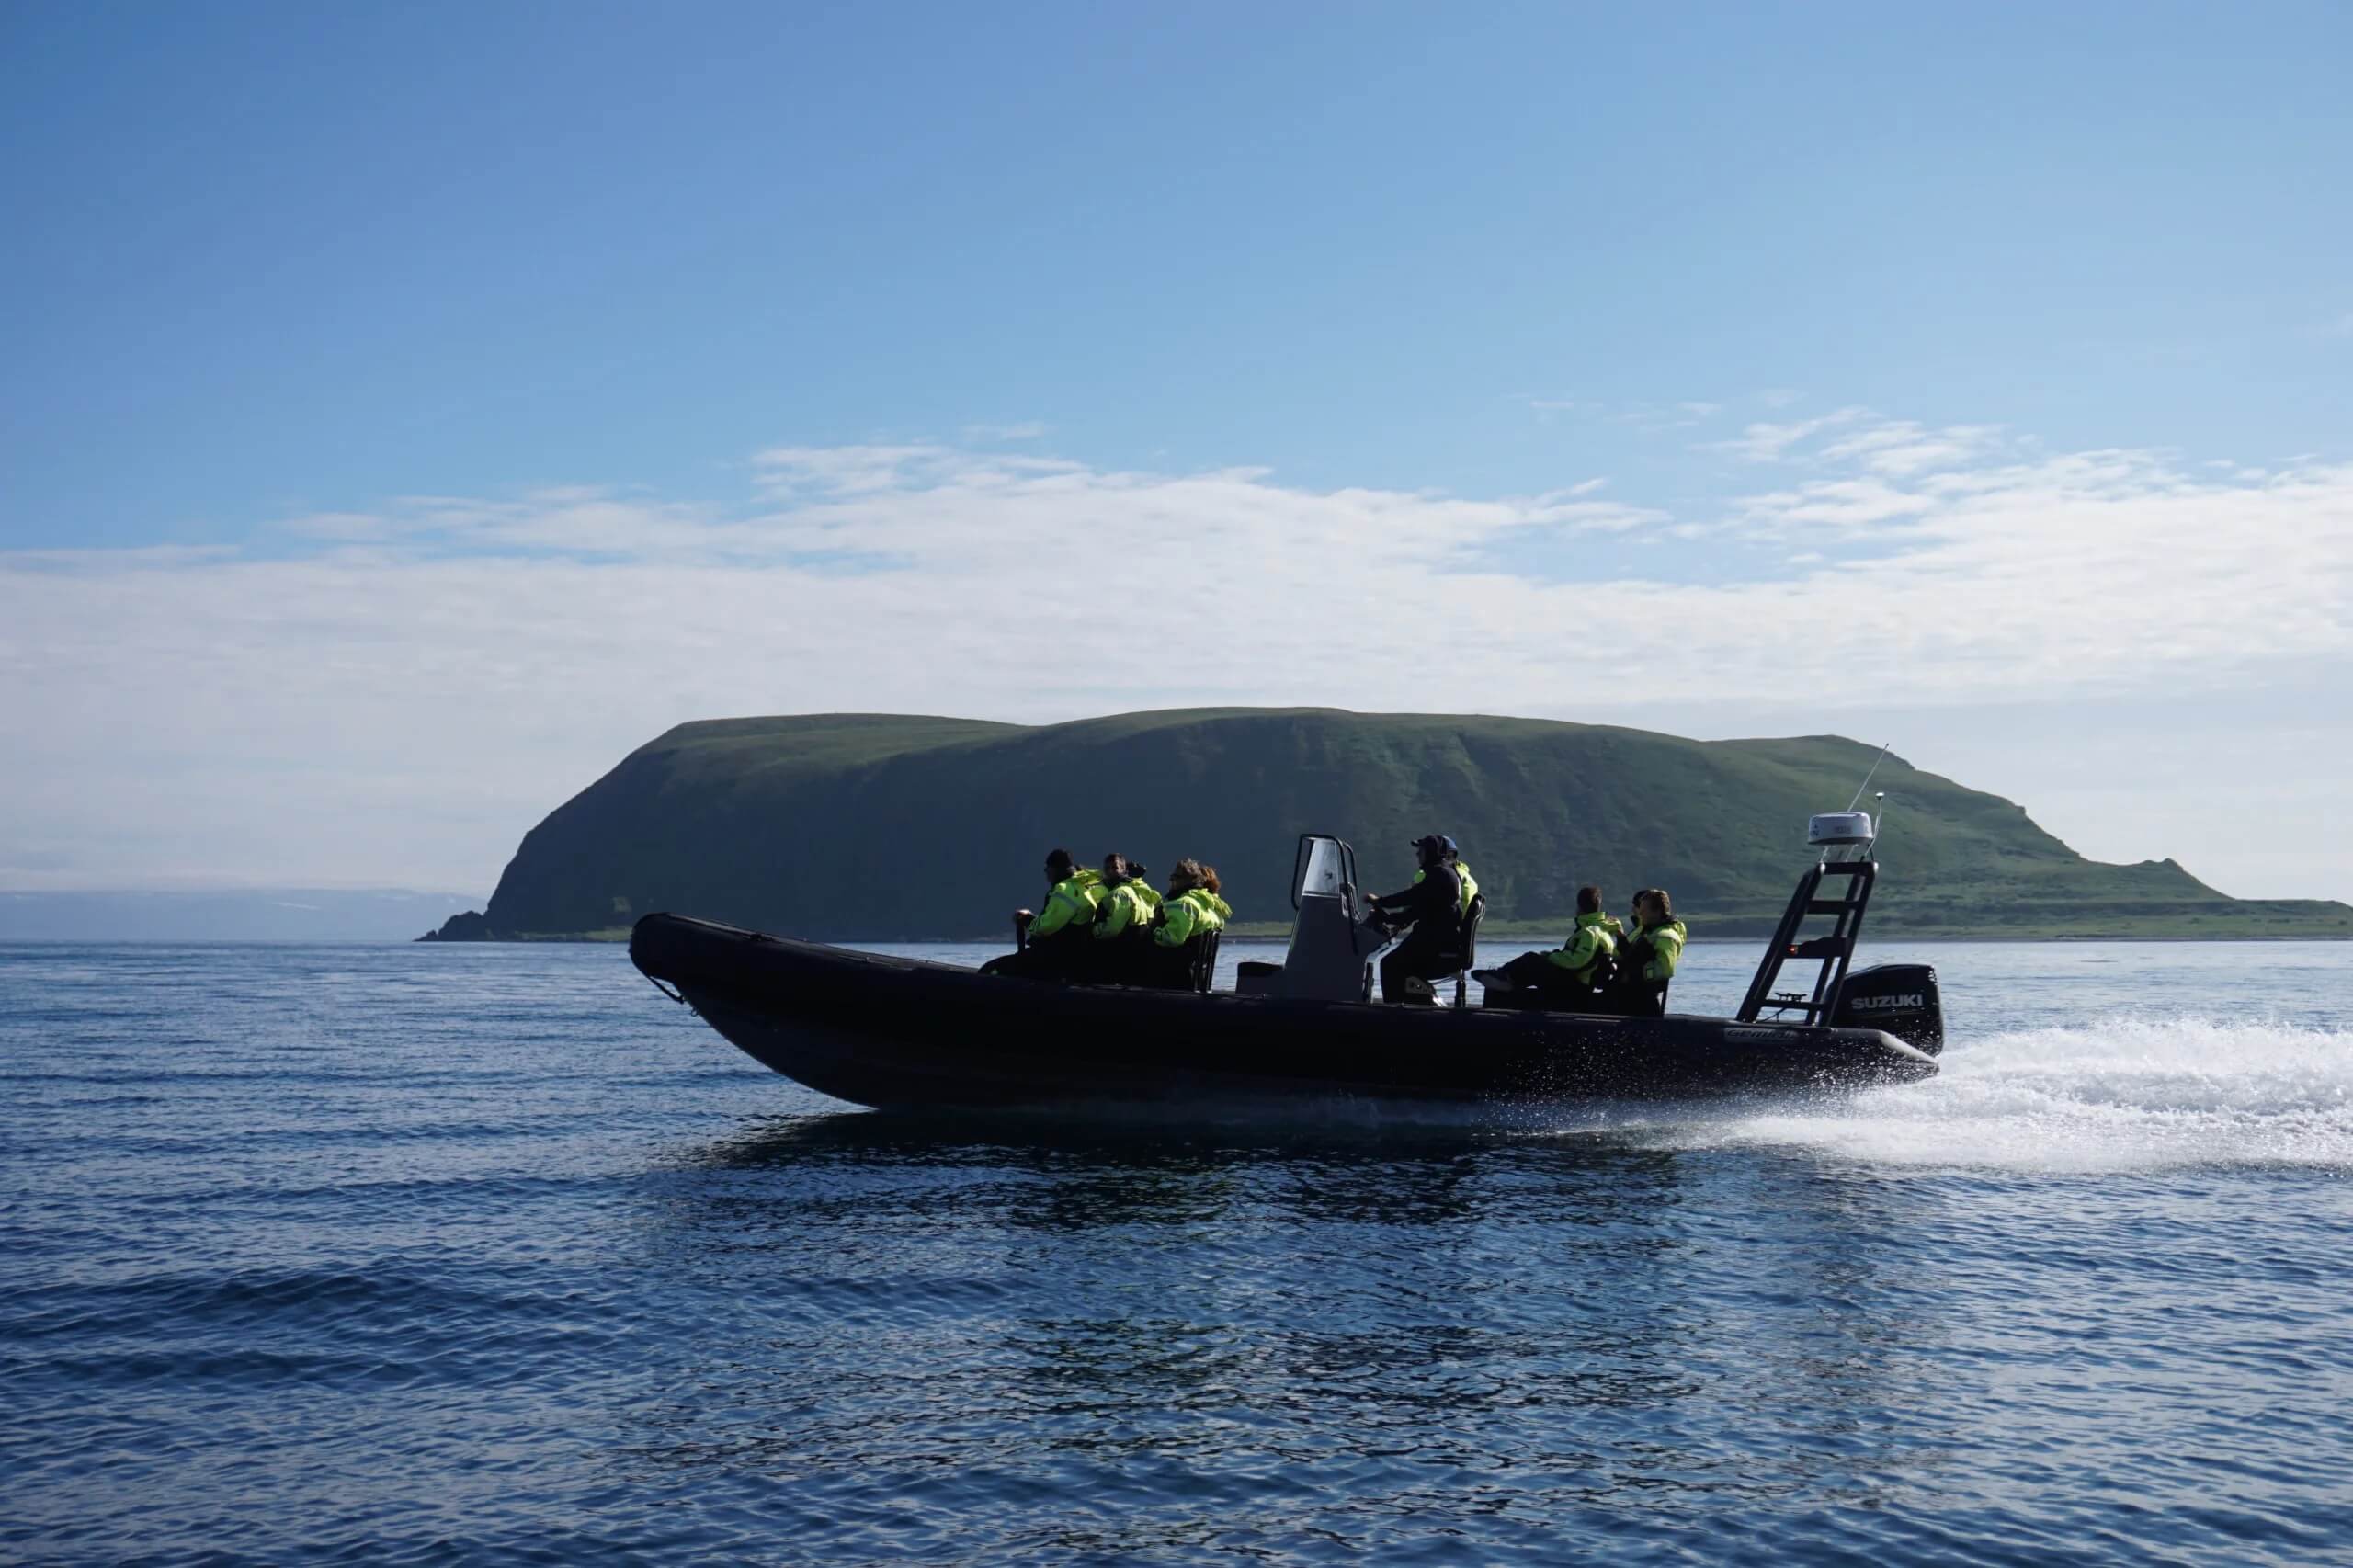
[[880, 827], [266, 915]]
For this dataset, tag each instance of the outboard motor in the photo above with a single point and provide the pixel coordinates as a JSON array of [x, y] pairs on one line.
[[1901, 999]]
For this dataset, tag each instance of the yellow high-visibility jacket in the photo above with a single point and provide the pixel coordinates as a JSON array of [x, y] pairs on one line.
[[1592, 944], [1072, 902], [1194, 913], [1658, 948], [1129, 906]]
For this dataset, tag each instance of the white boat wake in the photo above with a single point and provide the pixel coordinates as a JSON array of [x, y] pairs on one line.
[[2123, 1093]]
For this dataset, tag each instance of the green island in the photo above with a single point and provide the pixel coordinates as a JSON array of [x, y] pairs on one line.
[[885, 827]]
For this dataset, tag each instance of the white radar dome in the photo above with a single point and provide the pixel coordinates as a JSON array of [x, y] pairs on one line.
[[1839, 827]]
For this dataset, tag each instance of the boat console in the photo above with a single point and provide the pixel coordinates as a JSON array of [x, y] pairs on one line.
[[1333, 941]]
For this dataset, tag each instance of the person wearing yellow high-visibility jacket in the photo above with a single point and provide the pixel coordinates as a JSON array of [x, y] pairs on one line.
[[1590, 954], [1191, 912], [1123, 916], [1070, 902], [1124, 899], [1647, 960], [1052, 942], [1575, 970]]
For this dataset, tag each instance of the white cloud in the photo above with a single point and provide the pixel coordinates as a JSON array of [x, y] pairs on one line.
[[1649, 418], [1652, 419], [1840, 503], [1764, 442], [411, 686], [1903, 446], [1858, 438]]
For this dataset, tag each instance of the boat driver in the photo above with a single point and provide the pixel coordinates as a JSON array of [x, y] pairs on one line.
[[1433, 902]]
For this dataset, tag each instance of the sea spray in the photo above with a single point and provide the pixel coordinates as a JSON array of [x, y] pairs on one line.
[[2122, 1092]]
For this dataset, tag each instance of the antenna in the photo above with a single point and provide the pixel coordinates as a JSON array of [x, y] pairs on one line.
[[1866, 778], [1878, 819]]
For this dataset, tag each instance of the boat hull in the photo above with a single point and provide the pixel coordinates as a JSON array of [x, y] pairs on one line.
[[907, 1033]]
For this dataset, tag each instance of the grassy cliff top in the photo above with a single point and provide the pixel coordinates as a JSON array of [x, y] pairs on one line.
[[883, 826]]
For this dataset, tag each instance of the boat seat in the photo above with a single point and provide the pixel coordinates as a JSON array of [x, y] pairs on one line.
[[1463, 957], [1204, 969]]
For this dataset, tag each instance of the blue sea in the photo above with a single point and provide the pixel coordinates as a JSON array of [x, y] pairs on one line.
[[461, 1254]]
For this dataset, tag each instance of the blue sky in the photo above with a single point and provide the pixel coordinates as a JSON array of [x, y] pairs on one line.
[[277, 272]]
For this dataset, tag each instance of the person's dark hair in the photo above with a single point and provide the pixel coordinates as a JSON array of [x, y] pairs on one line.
[[1208, 879], [1188, 874], [1666, 904], [1588, 900], [1059, 863]]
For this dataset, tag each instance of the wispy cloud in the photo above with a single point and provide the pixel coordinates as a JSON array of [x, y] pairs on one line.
[[1647, 418], [1859, 438], [1902, 447], [428, 676], [1764, 442], [1653, 418], [1839, 503]]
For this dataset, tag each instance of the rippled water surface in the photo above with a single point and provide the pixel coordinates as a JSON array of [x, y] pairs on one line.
[[454, 1254]]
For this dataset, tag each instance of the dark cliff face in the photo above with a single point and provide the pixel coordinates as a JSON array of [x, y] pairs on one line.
[[471, 927], [876, 826]]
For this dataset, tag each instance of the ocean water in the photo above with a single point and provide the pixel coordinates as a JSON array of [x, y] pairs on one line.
[[490, 1253]]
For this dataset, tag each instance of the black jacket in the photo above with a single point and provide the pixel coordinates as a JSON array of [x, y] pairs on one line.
[[1434, 902]]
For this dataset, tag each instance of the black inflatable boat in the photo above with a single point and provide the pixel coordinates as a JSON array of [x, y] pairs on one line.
[[907, 1033]]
